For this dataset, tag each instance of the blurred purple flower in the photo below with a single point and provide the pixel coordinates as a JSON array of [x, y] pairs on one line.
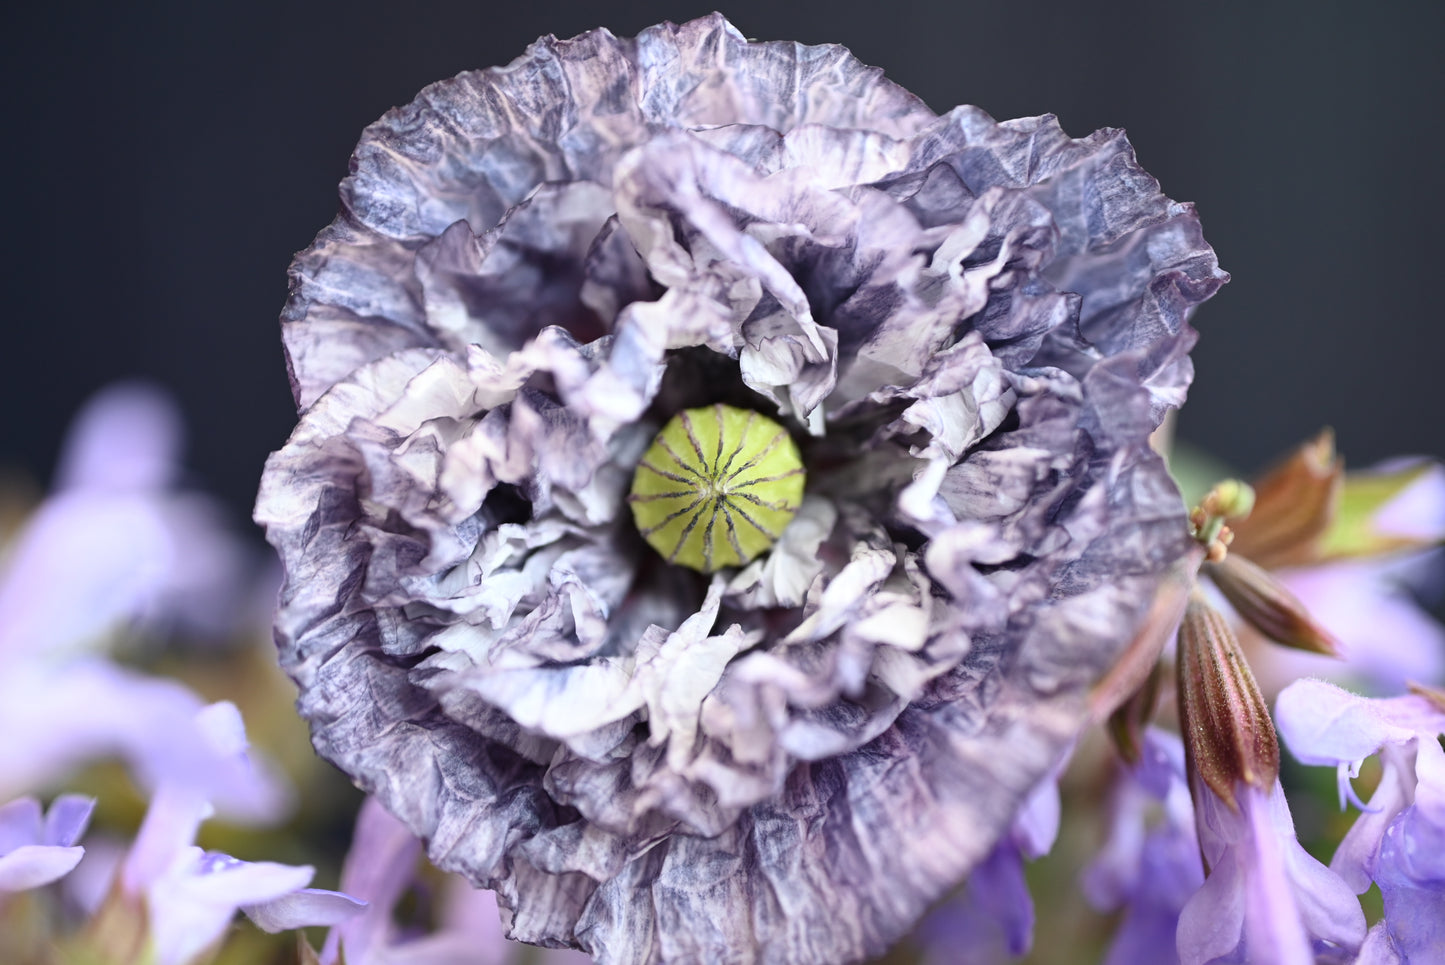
[[971, 327], [36, 850], [991, 919], [1148, 867], [116, 546], [189, 895], [1399, 840], [381, 868]]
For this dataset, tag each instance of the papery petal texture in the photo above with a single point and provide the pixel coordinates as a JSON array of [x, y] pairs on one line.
[[970, 328]]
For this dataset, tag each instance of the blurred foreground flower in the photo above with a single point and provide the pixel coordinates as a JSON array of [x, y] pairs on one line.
[[118, 553], [116, 547], [382, 867], [37, 849], [968, 329]]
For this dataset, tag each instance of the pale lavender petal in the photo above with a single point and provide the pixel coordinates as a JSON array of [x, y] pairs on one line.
[[190, 905], [1418, 512], [1386, 637], [127, 437], [1378, 948], [1264, 894], [21, 823], [306, 908], [380, 866], [35, 852], [66, 820], [1322, 724], [33, 865]]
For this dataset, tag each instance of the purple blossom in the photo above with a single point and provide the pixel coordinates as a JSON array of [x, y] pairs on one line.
[[1149, 865], [1265, 898], [113, 547], [36, 850], [992, 919], [1399, 840], [190, 896], [971, 328], [381, 867]]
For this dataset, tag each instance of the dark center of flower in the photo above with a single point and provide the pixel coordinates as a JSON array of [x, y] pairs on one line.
[[717, 487]]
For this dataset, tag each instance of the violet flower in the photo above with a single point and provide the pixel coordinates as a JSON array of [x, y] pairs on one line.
[[1266, 899], [1149, 865], [381, 867], [37, 849], [189, 895], [969, 329], [115, 546], [1398, 841], [992, 918]]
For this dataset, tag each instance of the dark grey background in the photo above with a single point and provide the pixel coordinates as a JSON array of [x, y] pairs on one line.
[[164, 164]]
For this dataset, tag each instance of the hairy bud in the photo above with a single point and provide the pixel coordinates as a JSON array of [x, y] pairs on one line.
[[1267, 605], [1228, 735]]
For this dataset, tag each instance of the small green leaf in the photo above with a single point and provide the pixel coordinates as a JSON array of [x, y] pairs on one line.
[[1353, 532]]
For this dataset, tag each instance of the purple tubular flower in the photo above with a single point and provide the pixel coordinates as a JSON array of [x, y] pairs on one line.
[[36, 850], [112, 547], [1399, 840], [970, 328], [1149, 869], [992, 920], [1265, 899], [190, 895], [381, 867]]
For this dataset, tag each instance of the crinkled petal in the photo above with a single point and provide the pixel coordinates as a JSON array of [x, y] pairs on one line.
[[973, 327]]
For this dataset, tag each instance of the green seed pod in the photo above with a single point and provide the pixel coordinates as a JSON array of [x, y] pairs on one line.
[[717, 487]]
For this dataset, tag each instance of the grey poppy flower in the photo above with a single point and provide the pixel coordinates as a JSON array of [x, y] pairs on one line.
[[969, 328]]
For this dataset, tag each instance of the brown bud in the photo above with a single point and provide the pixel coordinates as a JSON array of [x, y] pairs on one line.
[[1267, 605], [1127, 723], [1228, 736], [1435, 695], [1294, 505]]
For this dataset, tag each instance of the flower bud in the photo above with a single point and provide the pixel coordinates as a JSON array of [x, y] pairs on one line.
[[1435, 695], [1267, 605], [1228, 735], [1294, 505]]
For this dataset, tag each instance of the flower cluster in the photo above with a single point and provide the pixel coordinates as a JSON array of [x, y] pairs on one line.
[[968, 328]]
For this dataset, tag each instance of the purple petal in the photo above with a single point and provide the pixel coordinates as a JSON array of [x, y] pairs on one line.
[[1324, 725], [67, 818], [379, 867], [33, 865], [304, 909], [20, 823], [127, 437]]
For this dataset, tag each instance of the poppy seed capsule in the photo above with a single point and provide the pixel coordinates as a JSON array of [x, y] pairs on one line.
[[717, 487]]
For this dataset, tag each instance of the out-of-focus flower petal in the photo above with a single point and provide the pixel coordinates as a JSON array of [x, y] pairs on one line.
[[990, 921], [192, 901], [127, 437], [1149, 871], [306, 908], [36, 851]]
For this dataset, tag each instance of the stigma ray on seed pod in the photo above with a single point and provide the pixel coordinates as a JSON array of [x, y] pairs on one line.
[[717, 487]]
